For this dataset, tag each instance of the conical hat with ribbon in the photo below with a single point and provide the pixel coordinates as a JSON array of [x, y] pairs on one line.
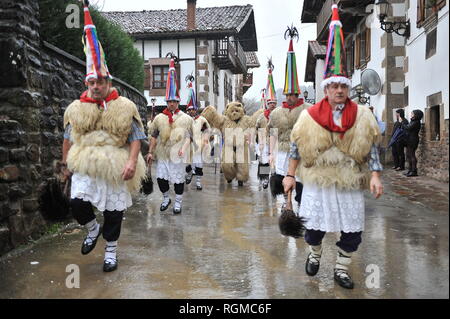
[[95, 56], [172, 93], [270, 88], [335, 64], [291, 77], [192, 99]]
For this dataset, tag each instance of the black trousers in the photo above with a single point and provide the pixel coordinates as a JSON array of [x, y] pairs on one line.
[[348, 242], [198, 170], [398, 153], [83, 212], [412, 159], [164, 186]]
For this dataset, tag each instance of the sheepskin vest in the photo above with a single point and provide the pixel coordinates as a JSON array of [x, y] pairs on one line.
[[171, 137], [99, 136], [283, 120], [326, 159]]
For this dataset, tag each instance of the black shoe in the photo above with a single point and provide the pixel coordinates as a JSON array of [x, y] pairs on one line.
[[164, 207], [311, 267], [87, 248], [406, 174], [188, 179], [229, 182], [265, 184], [410, 174], [400, 169], [395, 167], [199, 188], [110, 265], [240, 183], [343, 278]]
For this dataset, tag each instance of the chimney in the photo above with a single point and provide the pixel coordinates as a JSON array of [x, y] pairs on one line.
[[191, 4]]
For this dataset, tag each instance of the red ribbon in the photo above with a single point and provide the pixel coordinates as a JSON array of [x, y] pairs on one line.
[[287, 106], [322, 113], [112, 96], [267, 113], [170, 115]]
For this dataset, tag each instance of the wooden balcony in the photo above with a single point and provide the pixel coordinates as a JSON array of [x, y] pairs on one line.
[[351, 13], [229, 55]]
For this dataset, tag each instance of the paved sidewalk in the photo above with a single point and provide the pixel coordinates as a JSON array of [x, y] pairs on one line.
[[420, 190]]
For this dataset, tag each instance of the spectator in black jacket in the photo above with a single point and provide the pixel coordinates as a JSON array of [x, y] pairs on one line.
[[398, 147], [412, 142]]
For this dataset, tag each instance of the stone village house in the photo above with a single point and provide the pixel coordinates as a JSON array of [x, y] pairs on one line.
[[414, 70], [215, 45]]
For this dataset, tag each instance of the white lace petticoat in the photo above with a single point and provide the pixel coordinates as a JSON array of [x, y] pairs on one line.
[[332, 210], [99, 193], [170, 171]]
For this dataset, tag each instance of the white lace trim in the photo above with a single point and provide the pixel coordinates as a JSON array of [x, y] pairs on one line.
[[173, 172], [332, 210], [99, 193]]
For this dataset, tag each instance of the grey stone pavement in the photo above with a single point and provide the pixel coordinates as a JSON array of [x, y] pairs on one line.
[[226, 244]]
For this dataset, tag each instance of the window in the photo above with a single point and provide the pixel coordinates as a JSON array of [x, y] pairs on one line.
[[215, 83], [435, 123], [225, 86], [427, 8], [351, 58], [230, 90], [406, 96], [362, 49], [431, 44], [160, 76]]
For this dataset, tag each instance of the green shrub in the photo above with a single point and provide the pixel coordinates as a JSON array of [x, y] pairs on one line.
[[123, 60]]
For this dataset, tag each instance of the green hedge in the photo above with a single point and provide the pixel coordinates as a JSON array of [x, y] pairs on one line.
[[123, 60]]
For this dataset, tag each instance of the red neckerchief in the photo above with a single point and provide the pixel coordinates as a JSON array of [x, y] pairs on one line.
[[196, 117], [287, 106], [322, 113], [170, 115], [112, 96], [267, 113]]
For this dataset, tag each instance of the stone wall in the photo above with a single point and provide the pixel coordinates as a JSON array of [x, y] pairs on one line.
[[433, 156], [37, 84]]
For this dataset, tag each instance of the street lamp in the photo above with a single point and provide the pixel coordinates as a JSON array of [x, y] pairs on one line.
[[153, 100], [402, 28], [360, 92], [305, 95]]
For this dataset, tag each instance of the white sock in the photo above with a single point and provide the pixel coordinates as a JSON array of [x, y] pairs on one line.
[[166, 198], [178, 201], [93, 228], [110, 250], [199, 180]]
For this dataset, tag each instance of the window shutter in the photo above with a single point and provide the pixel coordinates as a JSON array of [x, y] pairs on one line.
[[148, 77], [357, 51], [368, 44], [420, 12]]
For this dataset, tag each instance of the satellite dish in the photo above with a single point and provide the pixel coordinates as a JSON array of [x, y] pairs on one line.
[[371, 82]]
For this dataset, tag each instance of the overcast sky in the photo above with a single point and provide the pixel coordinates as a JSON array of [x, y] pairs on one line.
[[271, 17]]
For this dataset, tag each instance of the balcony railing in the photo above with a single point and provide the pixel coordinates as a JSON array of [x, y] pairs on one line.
[[229, 55]]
